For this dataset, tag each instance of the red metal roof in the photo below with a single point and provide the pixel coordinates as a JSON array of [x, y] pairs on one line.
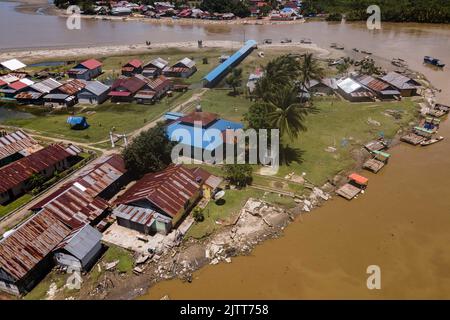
[[2, 83], [159, 83], [358, 179], [131, 85], [21, 251], [134, 63], [14, 142], [17, 85], [91, 64], [168, 190], [119, 93], [21, 170], [204, 117], [72, 87]]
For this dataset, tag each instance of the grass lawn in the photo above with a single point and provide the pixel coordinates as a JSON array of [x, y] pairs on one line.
[[40, 291], [125, 258], [234, 201], [124, 117], [4, 210]]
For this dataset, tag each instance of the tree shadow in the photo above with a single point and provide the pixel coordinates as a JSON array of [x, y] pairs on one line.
[[290, 154]]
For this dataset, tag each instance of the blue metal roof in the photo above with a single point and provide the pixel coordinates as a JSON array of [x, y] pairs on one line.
[[200, 137], [173, 115], [230, 61]]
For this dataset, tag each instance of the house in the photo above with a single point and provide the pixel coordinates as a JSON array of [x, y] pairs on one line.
[[26, 253], [59, 100], [201, 123], [124, 89], [144, 220], [154, 68], [171, 192], [12, 65], [80, 249], [132, 67], [381, 89], [253, 79], [77, 123], [15, 177], [352, 91], [15, 146], [71, 87], [182, 69], [86, 70], [14, 88], [29, 97], [94, 92], [210, 182], [45, 86], [407, 86], [326, 86], [154, 89]]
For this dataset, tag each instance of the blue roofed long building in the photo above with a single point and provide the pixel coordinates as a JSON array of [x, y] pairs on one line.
[[214, 77]]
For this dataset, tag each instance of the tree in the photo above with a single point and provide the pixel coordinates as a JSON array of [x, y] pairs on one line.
[[198, 215], [36, 180], [148, 152], [343, 68], [369, 67], [310, 69], [238, 174], [289, 114], [234, 80], [257, 116]]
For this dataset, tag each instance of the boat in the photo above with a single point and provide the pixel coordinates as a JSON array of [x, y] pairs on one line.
[[399, 63], [267, 41], [366, 52], [431, 141], [433, 61], [286, 40], [306, 41], [356, 50]]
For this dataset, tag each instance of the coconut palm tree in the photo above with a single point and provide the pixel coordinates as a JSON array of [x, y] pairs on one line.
[[310, 69], [287, 113]]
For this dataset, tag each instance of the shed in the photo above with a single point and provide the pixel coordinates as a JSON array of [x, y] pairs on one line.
[[407, 86], [86, 70], [144, 220], [132, 67], [80, 249], [182, 69], [353, 91], [12, 65], [55, 100], [77, 123]]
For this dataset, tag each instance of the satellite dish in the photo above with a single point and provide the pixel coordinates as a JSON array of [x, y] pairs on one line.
[[219, 195], [8, 233]]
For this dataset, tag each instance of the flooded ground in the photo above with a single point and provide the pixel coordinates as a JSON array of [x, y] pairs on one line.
[[401, 223]]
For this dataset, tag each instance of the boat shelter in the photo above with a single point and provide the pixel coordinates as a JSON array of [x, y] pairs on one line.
[[212, 78]]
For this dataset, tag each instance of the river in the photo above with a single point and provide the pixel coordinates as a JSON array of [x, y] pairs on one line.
[[402, 222]]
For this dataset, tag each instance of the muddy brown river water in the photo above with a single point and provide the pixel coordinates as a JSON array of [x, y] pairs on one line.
[[402, 223]]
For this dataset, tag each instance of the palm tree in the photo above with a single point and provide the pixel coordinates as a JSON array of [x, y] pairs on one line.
[[234, 80], [288, 113], [310, 69]]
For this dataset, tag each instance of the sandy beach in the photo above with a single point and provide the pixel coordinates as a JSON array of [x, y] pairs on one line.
[[29, 56]]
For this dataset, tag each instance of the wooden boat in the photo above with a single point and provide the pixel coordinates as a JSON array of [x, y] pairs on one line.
[[356, 50], [306, 41], [366, 52], [412, 138], [286, 40], [431, 141], [433, 61], [399, 63], [337, 46], [267, 41]]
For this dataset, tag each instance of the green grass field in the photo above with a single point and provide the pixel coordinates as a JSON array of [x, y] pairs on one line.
[[4, 210]]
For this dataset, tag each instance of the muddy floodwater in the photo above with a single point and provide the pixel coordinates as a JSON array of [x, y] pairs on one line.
[[402, 222]]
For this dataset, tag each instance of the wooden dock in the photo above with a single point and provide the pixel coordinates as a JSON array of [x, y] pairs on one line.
[[373, 165], [348, 191], [375, 145], [412, 138]]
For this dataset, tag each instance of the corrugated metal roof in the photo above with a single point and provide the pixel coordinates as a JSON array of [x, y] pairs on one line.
[[158, 63], [17, 85], [132, 85], [399, 81], [188, 63], [21, 170], [218, 71], [81, 241], [8, 78], [15, 142], [46, 85], [158, 84], [143, 216], [71, 87], [91, 64], [168, 190], [22, 250], [96, 87], [372, 83], [30, 95], [95, 177], [136, 63], [13, 64]]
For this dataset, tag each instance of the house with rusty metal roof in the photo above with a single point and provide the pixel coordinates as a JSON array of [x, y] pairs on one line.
[[46, 86], [182, 69], [16, 145], [154, 89], [132, 67], [155, 67], [86, 70], [124, 89], [15, 177], [383, 90], [171, 192], [71, 87], [26, 252], [407, 86], [353, 91]]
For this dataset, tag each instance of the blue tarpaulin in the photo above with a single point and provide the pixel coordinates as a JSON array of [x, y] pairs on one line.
[[77, 123]]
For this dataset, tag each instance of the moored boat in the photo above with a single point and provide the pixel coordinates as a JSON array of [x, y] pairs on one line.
[[433, 61], [431, 141]]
